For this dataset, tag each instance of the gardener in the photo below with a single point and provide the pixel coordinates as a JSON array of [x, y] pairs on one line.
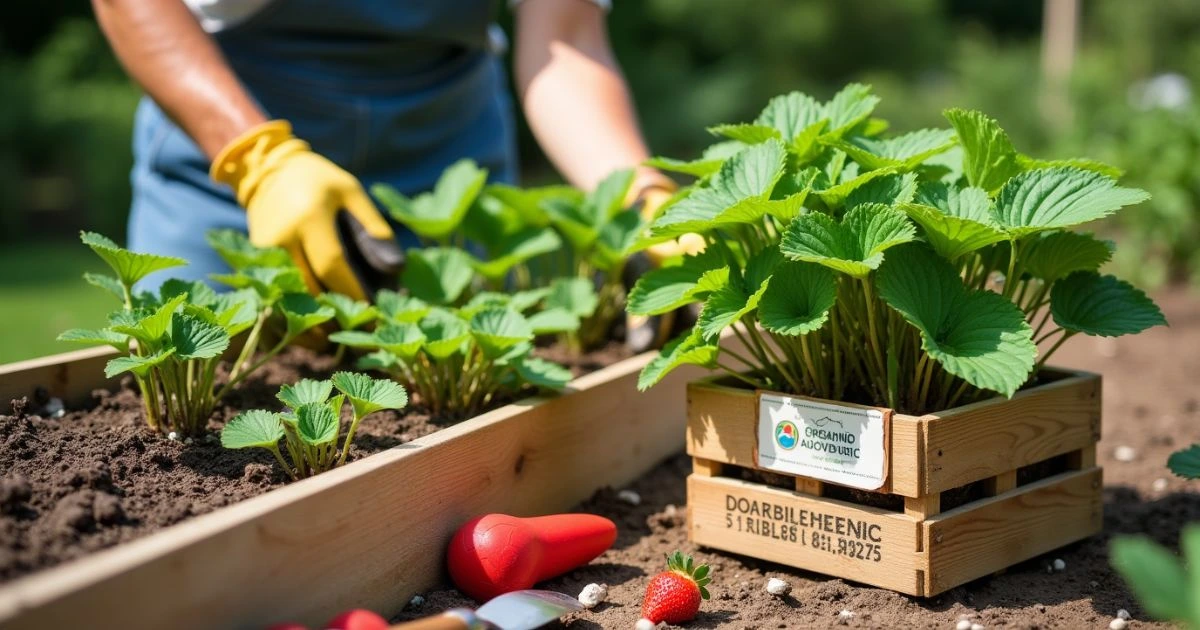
[[269, 116]]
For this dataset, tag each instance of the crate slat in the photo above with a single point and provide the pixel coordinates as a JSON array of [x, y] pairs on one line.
[[986, 536], [70, 376], [785, 538]]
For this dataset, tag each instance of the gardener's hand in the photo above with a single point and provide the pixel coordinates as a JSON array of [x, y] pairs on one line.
[[292, 198], [643, 333]]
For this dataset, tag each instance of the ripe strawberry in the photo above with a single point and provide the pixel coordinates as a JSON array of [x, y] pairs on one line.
[[674, 595]]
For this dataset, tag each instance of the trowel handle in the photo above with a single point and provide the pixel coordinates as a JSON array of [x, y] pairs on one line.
[[457, 619]]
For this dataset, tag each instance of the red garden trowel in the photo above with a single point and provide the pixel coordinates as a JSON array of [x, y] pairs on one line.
[[376, 263], [518, 610]]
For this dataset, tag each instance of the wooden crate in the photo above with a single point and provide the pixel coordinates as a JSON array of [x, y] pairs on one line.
[[907, 543], [370, 534]]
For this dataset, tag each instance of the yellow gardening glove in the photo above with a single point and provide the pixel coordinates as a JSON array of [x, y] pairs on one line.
[[641, 332], [292, 197]]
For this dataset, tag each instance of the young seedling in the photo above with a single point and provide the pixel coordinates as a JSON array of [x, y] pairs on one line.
[[1165, 586], [854, 265], [456, 361], [175, 339], [311, 424]]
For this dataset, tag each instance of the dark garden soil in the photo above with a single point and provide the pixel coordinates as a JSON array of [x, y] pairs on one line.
[[91, 479], [1151, 408]]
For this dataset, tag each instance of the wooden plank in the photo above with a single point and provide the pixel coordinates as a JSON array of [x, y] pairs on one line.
[[921, 508], [721, 423], [706, 467], [1002, 483], [858, 543], [70, 376], [907, 455], [983, 537], [988, 438], [370, 534], [812, 487]]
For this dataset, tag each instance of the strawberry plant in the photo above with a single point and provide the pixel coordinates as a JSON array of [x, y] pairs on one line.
[[917, 271], [1166, 587], [586, 273], [310, 427], [458, 360], [174, 339]]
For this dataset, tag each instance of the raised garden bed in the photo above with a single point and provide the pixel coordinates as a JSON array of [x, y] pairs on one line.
[[388, 515], [968, 492]]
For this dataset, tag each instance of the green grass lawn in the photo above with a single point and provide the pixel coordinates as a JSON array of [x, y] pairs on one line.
[[42, 293]]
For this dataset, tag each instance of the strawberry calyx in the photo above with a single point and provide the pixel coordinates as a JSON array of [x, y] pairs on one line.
[[684, 566]]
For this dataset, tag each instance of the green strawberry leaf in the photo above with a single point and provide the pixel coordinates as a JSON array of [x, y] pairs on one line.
[[1028, 164], [436, 215], [108, 283], [498, 330], [903, 152], [553, 320], [791, 115], [235, 249], [101, 337], [349, 312], [889, 190], [368, 395], [749, 176], [270, 283], [399, 307], [152, 327], [745, 133], [798, 299], [302, 312], [688, 349], [728, 305], [542, 373], [380, 360], [316, 424], [574, 295], [515, 249], [437, 275], [849, 107], [709, 163], [1058, 254], [256, 428], [1104, 306], [526, 203], [1155, 575], [663, 290], [1062, 197], [306, 391], [855, 246], [402, 340], [195, 292], [445, 334], [989, 159], [194, 338], [1186, 463], [955, 221], [979, 336], [130, 267], [138, 365]]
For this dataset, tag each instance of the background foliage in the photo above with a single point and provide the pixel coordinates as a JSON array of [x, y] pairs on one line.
[[66, 112]]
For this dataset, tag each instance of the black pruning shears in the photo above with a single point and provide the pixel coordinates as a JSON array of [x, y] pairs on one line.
[[376, 263]]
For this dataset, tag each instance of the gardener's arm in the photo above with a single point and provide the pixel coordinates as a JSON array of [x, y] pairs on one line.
[[574, 95], [291, 195], [164, 49]]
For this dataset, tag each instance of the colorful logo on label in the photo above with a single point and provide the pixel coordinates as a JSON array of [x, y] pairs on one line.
[[787, 435]]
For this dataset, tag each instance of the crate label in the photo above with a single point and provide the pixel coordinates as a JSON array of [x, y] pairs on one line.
[[857, 539], [834, 443]]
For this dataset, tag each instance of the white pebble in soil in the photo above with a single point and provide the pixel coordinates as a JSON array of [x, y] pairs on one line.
[[963, 624], [173, 436], [1124, 453], [1060, 564], [644, 624], [845, 616], [778, 587], [977, 626], [1124, 614], [592, 595], [1160, 485], [630, 497], [1118, 624]]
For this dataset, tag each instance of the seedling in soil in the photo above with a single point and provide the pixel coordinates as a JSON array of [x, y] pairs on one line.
[[175, 339], [310, 426], [1186, 463], [457, 361], [854, 266]]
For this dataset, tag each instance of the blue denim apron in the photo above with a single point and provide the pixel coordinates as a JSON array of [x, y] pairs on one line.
[[393, 91]]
